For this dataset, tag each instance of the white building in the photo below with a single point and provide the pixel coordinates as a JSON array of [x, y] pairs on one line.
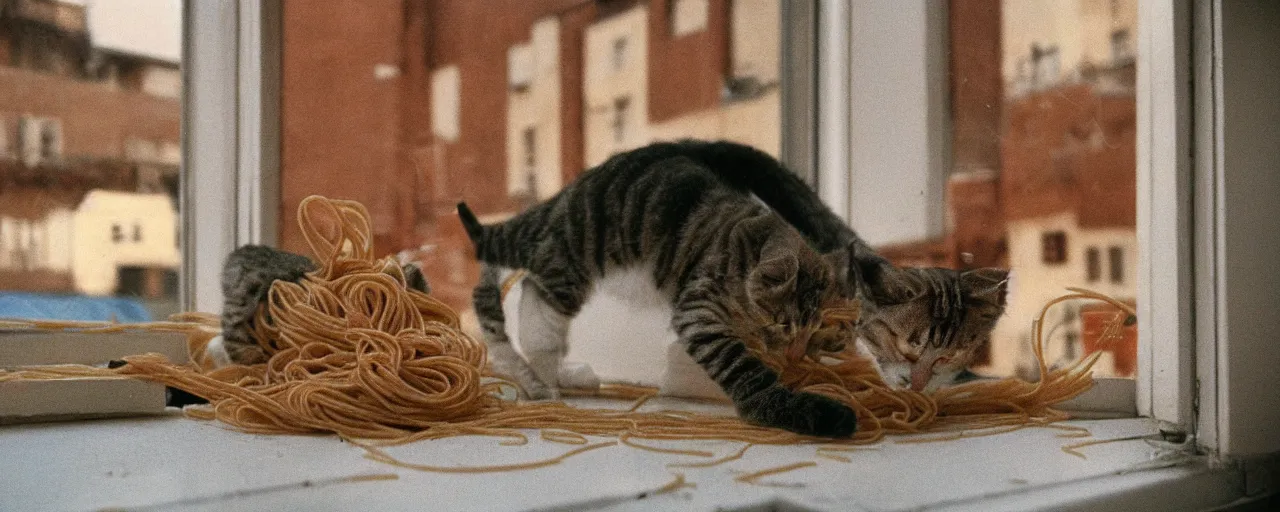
[[115, 235]]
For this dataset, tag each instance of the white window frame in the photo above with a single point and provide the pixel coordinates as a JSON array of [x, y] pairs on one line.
[[230, 138], [1234, 230], [1199, 323], [1191, 370], [840, 182]]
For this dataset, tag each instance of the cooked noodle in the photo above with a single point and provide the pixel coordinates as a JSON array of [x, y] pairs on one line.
[[353, 351]]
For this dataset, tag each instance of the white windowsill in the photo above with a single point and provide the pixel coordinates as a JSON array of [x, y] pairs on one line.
[[180, 464]]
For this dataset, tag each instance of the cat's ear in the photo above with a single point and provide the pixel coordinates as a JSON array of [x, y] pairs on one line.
[[990, 285], [774, 277], [879, 280], [414, 278]]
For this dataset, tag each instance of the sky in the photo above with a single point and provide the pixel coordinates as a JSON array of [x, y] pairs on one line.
[[151, 28]]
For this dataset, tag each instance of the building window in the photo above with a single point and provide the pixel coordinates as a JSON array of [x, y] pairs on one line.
[[1117, 264], [531, 159], [1055, 247], [621, 109], [520, 67], [619, 55], [688, 16], [1046, 64], [117, 234], [48, 142], [446, 103], [1121, 46], [1093, 257], [137, 232]]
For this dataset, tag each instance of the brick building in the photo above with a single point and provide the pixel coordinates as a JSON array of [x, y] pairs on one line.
[[1070, 190], [79, 115], [1043, 178], [412, 105], [427, 102]]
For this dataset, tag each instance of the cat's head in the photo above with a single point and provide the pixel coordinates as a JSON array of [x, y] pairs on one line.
[[929, 324], [789, 289]]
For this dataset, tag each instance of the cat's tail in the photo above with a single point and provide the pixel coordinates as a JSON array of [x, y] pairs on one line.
[[475, 230], [487, 239]]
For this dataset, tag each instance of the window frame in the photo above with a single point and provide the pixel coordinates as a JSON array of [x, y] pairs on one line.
[[1093, 264], [232, 55], [1164, 205], [1054, 248], [1189, 369], [231, 58]]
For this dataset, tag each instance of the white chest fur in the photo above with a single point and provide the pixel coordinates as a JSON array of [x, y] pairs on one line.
[[624, 334]]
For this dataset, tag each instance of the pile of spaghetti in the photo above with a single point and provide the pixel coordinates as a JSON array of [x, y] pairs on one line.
[[353, 351]]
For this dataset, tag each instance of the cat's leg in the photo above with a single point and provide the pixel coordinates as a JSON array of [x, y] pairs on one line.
[[544, 339], [700, 320], [543, 334], [487, 301], [553, 293]]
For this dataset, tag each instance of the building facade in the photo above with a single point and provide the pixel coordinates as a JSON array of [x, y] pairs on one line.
[[1043, 176], [430, 102], [500, 103], [85, 124]]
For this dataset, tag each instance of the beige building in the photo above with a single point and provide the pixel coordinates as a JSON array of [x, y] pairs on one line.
[[615, 85], [750, 114], [616, 90], [1103, 259], [113, 234], [36, 244], [534, 108], [1068, 174]]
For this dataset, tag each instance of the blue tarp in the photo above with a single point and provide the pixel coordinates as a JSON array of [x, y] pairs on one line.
[[71, 307]]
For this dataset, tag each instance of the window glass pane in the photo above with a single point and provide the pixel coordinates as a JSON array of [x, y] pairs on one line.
[[1043, 169], [89, 157], [503, 106]]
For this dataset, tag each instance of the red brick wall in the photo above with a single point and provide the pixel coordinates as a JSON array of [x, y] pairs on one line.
[[573, 22], [475, 36], [686, 73], [36, 280], [339, 125], [96, 119], [979, 227], [1053, 159], [977, 91], [6, 52], [977, 97], [412, 204], [349, 135]]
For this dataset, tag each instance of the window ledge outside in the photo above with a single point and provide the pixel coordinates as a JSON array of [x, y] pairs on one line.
[[174, 463]]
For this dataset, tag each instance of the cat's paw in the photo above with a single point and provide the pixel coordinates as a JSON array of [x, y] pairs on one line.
[[534, 389], [817, 415], [539, 391], [243, 353], [578, 376]]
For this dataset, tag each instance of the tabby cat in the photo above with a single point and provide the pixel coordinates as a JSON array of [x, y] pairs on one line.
[[924, 325], [247, 275], [731, 268]]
